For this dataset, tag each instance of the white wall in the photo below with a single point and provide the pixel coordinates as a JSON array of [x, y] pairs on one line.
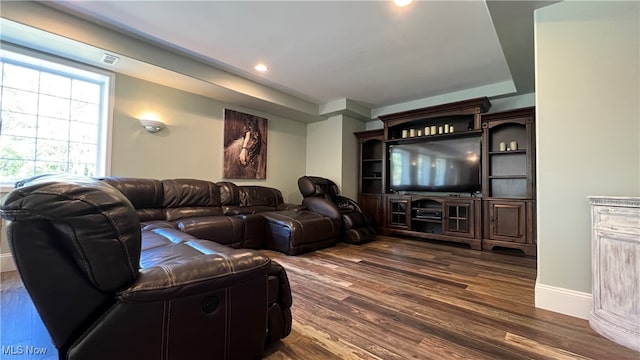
[[588, 132]]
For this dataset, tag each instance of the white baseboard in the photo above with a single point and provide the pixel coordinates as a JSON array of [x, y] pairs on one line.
[[565, 301], [6, 263]]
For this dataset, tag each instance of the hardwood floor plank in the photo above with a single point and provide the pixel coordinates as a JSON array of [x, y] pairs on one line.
[[339, 349], [342, 321], [438, 348], [446, 327], [415, 274], [541, 349]]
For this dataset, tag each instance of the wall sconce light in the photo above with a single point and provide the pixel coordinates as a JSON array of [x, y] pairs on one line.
[[152, 126], [402, 3]]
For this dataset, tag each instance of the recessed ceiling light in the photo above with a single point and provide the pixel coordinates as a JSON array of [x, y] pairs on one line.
[[402, 3], [261, 67]]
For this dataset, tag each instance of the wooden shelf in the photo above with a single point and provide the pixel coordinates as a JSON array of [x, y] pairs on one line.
[[508, 152], [419, 139], [508, 186], [503, 217], [371, 188], [437, 221]]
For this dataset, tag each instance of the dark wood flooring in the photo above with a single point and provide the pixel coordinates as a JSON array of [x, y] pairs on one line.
[[389, 299]]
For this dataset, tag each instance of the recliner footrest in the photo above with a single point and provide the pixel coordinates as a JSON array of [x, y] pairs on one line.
[[294, 232]]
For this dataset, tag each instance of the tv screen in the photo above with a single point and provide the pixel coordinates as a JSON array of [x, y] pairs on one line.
[[443, 165]]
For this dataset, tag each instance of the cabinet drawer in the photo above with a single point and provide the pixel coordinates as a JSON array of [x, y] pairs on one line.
[[619, 220]]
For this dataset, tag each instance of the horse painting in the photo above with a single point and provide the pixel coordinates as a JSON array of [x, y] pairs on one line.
[[245, 146]]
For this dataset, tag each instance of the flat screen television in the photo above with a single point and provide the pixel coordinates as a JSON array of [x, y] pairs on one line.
[[450, 165]]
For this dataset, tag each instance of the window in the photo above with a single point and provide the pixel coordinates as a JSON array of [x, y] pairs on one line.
[[54, 117]]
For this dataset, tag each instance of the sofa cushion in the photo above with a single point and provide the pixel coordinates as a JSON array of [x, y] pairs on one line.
[[184, 198], [158, 237], [229, 193], [226, 230], [163, 246], [146, 195], [260, 198]]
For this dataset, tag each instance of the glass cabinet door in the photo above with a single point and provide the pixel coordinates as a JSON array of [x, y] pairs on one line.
[[459, 218], [399, 213]]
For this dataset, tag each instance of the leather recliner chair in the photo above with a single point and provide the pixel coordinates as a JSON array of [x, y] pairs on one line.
[[106, 289], [322, 196]]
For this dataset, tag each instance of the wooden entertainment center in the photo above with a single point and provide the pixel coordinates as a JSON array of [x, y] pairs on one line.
[[499, 214]]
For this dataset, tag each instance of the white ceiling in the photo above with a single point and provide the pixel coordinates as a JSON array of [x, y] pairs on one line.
[[370, 52]]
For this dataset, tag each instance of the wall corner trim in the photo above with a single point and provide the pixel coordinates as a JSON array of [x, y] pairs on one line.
[[6, 263], [565, 301]]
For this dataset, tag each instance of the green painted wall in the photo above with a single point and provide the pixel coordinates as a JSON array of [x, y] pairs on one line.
[[332, 152], [588, 127], [191, 146]]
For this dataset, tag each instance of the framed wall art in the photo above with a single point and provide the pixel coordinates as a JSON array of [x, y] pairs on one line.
[[245, 146]]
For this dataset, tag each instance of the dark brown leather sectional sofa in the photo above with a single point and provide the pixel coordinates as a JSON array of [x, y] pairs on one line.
[[128, 268], [245, 216]]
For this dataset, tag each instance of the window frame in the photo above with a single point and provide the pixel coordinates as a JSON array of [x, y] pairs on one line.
[[34, 59]]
